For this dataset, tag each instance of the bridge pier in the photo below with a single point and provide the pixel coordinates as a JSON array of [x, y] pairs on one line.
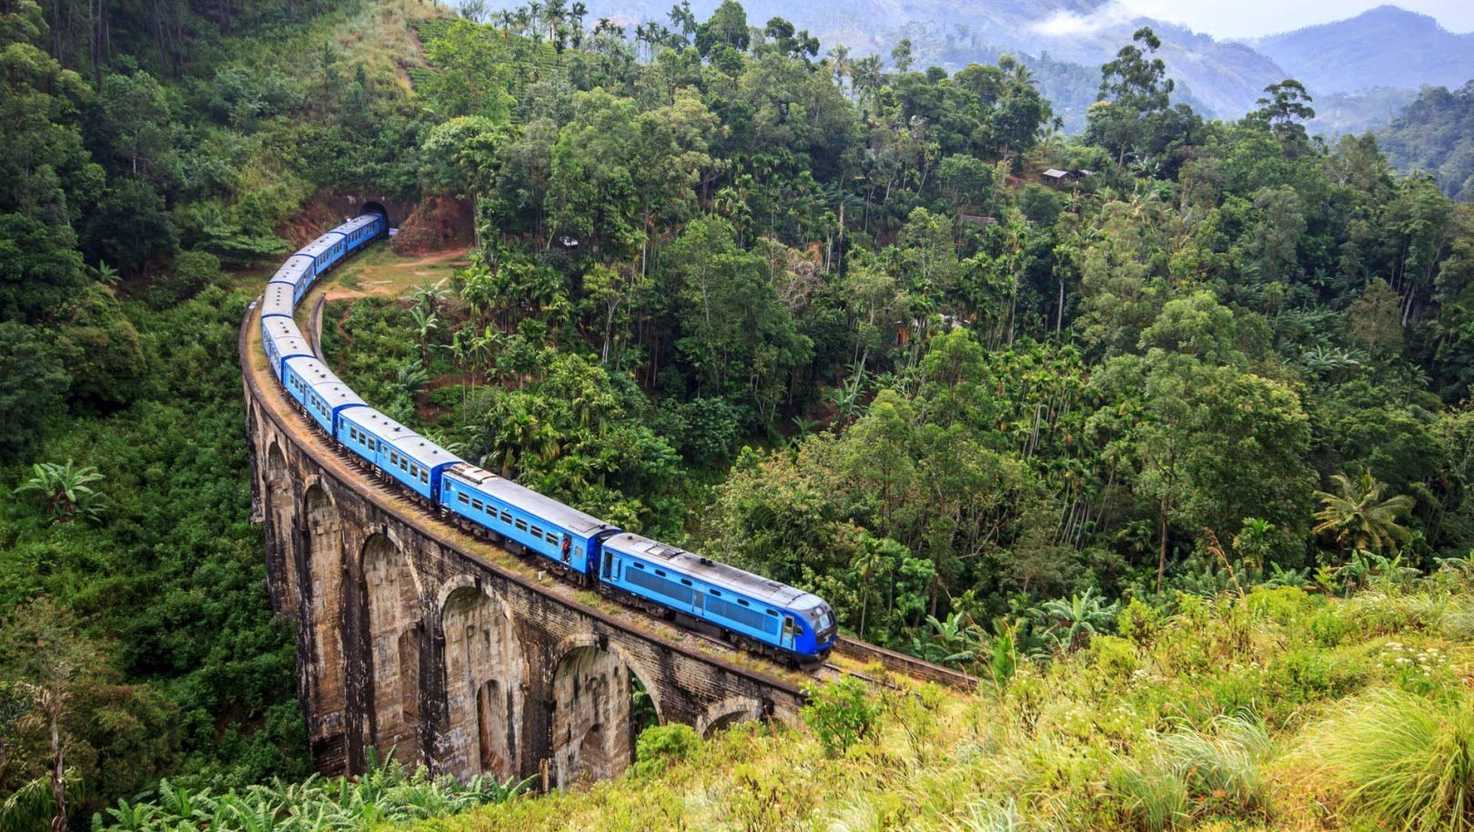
[[416, 641]]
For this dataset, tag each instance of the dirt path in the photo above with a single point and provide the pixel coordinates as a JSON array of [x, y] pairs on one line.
[[382, 272]]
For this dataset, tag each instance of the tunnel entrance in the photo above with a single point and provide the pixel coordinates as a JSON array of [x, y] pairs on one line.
[[377, 208]]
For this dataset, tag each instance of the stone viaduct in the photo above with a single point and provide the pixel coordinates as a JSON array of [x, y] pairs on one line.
[[417, 641]]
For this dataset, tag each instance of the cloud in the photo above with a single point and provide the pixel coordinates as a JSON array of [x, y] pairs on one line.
[[1067, 24]]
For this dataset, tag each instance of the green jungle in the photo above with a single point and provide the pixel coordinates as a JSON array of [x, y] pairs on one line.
[[1173, 451]]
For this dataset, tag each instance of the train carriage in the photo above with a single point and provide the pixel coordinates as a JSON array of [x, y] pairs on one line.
[[564, 535], [317, 390], [361, 230], [395, 450], [283, 340], [750, 605], [277, 302], [296, 272], [325, 252]]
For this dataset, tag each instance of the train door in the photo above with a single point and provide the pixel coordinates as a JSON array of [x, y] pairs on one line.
[[698, 603], [790, 629]]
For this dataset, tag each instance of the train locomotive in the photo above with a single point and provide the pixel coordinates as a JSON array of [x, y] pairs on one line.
[[770, 617]]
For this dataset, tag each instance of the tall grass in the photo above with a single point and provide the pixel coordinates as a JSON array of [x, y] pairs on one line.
[[1191, 775], [1408, 760]]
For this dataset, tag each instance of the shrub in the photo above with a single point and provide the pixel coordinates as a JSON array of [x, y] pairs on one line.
[[1329, 626], [841, 713], [1113, 657], [661, 745], [1408, 761], [1139, 622], [1282, 604], [389, 794]]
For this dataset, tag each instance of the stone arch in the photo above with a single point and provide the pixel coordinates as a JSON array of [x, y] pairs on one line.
[[729, 712], [486, 672], [396, 639], [592, 730], [278, 487], [372, 207], [323, 533]]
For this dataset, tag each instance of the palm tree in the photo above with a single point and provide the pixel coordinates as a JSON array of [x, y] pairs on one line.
[[1070, 624], [426, 322], [411, 378], [957, 639], [1357, 516], [67, 490]]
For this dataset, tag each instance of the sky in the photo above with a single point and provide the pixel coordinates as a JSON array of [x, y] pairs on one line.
[[1250, 18]]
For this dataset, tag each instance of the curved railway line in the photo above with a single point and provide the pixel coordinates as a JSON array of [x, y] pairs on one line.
[[850, 657]]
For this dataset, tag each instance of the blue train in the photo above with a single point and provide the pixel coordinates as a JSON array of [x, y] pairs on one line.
[[772, 617]]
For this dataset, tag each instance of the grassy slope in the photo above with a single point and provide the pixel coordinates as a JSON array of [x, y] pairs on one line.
[[1220, 716]]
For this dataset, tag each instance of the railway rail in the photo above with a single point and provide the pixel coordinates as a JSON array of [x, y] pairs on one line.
[[732, 658]]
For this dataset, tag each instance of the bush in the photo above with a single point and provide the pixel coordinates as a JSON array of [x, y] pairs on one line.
[[1139, 622], [1329, 626], [386, 794], [1281, 604], [1113, 657], [661, 745], [840, 713], [1408, 761]]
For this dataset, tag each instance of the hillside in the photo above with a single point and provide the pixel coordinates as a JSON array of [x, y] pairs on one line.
[[1111, 420], [1383, 47], [1058, 39], [1435, 133], [1255, 714], [1266, 711]]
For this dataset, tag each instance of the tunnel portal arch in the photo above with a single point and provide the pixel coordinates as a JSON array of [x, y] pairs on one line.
[[373, 207]]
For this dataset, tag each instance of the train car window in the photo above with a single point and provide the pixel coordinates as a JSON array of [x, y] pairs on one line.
[[522, 524], [464, 500], [476, 504], [425, 477], [686, 582], [506, 517], [537, 533], [715, 592], [393, 458], [660, 572], [743, 602], [638, 565], [770, 612]]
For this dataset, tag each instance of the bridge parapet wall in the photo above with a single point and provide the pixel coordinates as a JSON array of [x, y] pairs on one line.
[[421, 643]]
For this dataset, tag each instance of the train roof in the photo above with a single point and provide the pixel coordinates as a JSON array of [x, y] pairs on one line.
[[287, 336], [321, 244], [528, 500], [356, 223], [324, 383], [423, 451], [277, 300], [292, 270], [382, 426], [714, 572]]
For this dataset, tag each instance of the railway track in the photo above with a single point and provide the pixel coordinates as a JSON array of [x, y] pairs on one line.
[[847, 649]]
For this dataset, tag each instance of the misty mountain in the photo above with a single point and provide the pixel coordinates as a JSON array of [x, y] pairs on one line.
[[1363, 69], [1063, 41], [1384, 47]]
